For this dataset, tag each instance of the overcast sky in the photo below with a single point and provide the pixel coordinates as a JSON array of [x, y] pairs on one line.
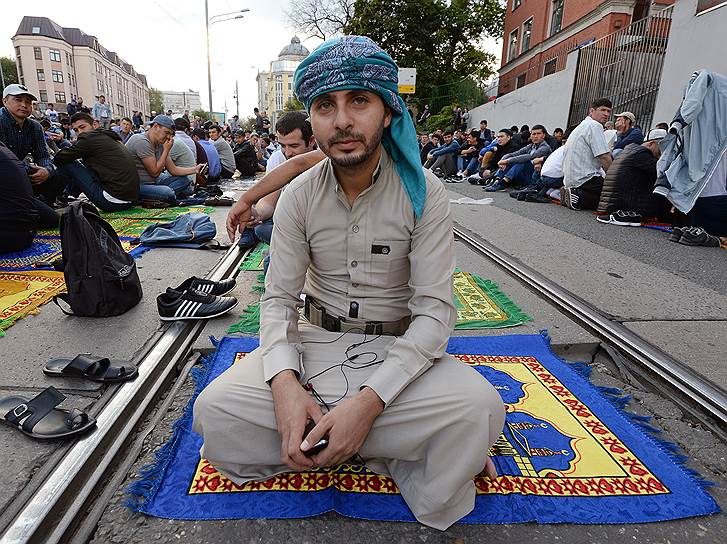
[[165, 40]]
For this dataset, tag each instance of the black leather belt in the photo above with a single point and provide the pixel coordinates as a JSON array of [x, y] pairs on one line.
[[317, 315]]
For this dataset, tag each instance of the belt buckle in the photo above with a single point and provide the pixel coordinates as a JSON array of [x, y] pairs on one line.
[[374, 327]]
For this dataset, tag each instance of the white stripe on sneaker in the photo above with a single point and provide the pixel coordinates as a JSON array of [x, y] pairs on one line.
[[192, 309], [182, 307]]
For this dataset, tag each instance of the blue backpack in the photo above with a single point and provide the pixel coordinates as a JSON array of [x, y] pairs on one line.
[[191, 230]]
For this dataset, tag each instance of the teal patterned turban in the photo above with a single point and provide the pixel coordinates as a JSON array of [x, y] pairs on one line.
[[356, 62]]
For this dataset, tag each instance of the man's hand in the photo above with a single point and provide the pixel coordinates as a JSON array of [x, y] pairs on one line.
[[254, 218], [430, 156], [168, 143], [39, 176], [239, 215], [502, 164], [347, 427], [293, 408]]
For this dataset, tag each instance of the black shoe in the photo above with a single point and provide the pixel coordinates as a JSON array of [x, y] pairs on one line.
[[697, 236], [247, 240], [569, 197], [216, 288], [175, 305], [676, 234]]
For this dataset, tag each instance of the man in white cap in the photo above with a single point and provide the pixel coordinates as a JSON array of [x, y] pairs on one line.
[[22, 134], [629, 184], [626, 132]]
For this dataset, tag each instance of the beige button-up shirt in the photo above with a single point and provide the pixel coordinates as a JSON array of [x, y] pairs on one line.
[[372, 261]]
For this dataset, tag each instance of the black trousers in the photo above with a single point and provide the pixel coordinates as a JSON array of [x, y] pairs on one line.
[[590, 193], [15, 240]]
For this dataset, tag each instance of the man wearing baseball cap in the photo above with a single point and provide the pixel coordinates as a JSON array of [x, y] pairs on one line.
[[630, 181], [150, 150], [626, 132], [24, 135]]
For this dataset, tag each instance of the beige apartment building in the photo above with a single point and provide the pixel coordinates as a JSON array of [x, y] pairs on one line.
[[58, 64], [275, 87]]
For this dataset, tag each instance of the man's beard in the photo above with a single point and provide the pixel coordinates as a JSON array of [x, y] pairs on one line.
[[354, 159]]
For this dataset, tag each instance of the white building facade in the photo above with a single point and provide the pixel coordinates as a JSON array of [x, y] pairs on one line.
[[178, 101], [275, 86]]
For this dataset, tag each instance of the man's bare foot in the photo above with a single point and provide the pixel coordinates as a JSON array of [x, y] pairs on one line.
[[490, 469]]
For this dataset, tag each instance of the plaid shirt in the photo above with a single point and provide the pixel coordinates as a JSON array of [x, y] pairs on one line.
[[26, 139]]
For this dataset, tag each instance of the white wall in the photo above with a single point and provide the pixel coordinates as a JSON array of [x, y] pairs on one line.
[[545, 102], [694, 43]]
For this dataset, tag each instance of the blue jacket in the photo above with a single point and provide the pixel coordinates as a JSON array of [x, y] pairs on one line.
[[453, 147], [631, 136], [696, 141]]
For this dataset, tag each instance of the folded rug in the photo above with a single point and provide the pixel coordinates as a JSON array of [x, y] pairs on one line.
[[568, 453]]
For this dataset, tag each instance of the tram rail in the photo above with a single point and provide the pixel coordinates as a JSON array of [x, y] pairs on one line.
[[52, 510]]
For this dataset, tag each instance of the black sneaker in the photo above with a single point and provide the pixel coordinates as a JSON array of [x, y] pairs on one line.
[[217, 288], [676, 234], [176, 305], [622, 218], [569, 197], [697, 236]]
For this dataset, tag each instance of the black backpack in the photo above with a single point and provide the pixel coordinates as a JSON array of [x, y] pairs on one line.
[[101, 278]]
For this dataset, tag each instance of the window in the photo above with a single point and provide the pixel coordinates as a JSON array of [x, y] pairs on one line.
[[35, 30], [556, 17], [516, 4], [99, 86], [69, 78], [550, 67], [520, 81], [43, 96], [55, 55], [41, 74], [527, 32], [512, 45], [37, 53], [57, 76], [61, 97]]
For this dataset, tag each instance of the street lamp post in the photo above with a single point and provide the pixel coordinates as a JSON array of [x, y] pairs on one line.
[[208, 21]]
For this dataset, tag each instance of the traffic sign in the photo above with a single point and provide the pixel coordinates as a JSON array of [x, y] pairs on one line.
[[407, 80]]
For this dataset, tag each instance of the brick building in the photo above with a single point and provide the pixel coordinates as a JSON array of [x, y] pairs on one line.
[[58, 64], [538, 34]]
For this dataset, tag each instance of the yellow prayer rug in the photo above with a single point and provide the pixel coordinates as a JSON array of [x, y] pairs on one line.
[[22, 293]]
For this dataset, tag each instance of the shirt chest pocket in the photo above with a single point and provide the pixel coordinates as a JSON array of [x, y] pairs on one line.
[[390, 262]]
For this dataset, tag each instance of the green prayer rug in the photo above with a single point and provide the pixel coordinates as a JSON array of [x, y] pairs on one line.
[[164, 214], [480, 305], [254, 260]]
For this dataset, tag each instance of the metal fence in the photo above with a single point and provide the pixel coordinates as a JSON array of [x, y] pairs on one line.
[[625, 67]]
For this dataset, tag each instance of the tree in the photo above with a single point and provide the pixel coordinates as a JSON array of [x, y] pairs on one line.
[[202, 114], [294, 105], [10, 71], [439, 38], [320, 18], [156, 100]]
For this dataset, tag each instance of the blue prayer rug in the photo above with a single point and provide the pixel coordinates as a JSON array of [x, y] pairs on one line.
[[568, 454]]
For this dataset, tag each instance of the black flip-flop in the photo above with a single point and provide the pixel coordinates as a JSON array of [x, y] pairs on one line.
[[97, 369], [39, 417]]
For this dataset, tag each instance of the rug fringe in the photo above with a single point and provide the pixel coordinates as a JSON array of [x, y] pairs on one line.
[[516, 316], [249, 322], [150, 476], [620, 400]]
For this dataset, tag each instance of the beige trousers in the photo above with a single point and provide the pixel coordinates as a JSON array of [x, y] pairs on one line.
[[432, 439]]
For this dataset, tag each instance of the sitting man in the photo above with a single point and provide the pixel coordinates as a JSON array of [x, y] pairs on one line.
[[201, 138], [124, 129], [442, 161], [586, 159], [629, 183], [18, 213], [490, 155], [469, 155], [247, 155], [425, 147], [227, 158], [24, 136], [626, 132], [366, 236], [107, 174], [181, 169], [517, 167], [150, 151]]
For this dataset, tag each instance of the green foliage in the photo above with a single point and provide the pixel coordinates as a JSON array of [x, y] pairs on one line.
[[156, 101], [294, 105], [439, 38], [248, 123], [10, 71], [202, 114], [442, 120]]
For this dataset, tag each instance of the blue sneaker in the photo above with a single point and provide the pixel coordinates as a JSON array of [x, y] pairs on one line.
[[499, 185], [248, 239]]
